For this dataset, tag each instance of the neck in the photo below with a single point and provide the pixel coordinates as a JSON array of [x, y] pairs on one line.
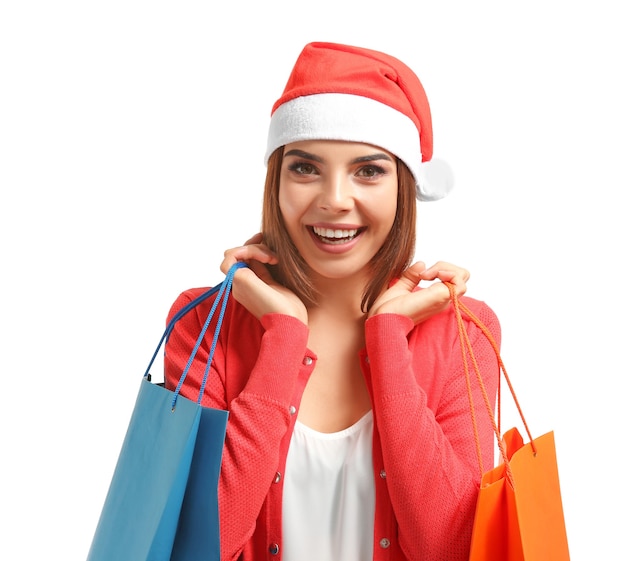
[[340, 297]]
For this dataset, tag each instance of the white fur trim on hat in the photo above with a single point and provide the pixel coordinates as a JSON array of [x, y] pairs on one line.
[[335, 116]]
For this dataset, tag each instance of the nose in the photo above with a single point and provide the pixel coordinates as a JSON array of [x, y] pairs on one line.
[[336, 194]]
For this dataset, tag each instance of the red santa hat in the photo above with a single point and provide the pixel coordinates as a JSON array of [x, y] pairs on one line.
[[340, 92]]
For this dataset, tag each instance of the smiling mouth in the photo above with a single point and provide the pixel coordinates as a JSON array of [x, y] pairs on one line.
[[335, 237]]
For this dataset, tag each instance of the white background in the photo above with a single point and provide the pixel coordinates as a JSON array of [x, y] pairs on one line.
[[131, 144]]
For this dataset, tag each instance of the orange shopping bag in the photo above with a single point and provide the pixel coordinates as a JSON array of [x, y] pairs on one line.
[[519, 512]]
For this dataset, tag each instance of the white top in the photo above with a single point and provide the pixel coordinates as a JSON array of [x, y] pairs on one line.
[[329, 495]]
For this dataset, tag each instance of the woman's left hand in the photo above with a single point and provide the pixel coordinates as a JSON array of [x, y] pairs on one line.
[[419, 305]]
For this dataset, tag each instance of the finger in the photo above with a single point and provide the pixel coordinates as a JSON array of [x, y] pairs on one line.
[[248, 254], [257, 238], [447, 270], [410, 277], [432, 300], [261, 271], [252, 252], [452, 280]]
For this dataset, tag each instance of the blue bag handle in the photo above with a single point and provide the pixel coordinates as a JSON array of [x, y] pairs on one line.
[[223, 292]]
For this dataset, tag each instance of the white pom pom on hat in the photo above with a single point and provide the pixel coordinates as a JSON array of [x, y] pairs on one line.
[[340, 92]]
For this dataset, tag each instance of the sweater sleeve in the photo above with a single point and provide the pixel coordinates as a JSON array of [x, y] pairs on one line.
[[253, 374], [420, 399]]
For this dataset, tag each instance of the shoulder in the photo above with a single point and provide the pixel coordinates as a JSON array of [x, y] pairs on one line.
[[483, 312], [190, 299], [487, 325], [194, 305], [443, 328]]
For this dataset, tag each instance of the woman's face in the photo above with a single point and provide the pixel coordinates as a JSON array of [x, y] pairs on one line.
[[338, 200]]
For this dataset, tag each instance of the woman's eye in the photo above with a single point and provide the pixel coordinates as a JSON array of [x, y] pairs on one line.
[[370, 171], [303, 168]]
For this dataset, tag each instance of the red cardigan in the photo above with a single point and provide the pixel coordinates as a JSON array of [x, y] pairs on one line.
[[424, 452]]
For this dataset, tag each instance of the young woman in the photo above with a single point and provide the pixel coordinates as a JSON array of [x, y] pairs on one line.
[[349, 435]]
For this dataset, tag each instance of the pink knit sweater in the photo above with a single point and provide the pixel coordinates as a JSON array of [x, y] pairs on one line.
[[424, 453]]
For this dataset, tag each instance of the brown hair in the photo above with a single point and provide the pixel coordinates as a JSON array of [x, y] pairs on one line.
[[392, 258]]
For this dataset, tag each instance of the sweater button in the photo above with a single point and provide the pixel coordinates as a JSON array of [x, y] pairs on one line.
[[292, 410], [383, 474], [274, 549], [278, 477], [307, 361], [385, 543]]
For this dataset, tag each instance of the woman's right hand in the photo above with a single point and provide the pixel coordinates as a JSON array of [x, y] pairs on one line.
[[254, 287]]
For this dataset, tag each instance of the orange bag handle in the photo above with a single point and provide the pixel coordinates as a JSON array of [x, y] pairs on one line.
[[460, 311]]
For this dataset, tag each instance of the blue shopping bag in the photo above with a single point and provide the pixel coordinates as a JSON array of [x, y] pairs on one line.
[[162, 500]]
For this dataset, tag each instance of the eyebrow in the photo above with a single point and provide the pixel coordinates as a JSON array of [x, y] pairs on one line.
[[309, 156], [303, 154]]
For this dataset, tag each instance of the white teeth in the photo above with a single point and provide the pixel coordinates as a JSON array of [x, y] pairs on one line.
[[328, 233], [334, 237]]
